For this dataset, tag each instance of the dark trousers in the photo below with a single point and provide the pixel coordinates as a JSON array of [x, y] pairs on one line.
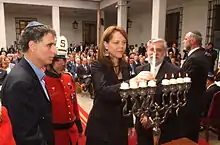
[[92, 141], [144, 137], [192, 134], [88, 83]]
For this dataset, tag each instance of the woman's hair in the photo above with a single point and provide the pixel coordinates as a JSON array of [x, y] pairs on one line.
[[106, 37]]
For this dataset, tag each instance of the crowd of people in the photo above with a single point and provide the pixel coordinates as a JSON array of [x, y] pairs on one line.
[[41, 100]]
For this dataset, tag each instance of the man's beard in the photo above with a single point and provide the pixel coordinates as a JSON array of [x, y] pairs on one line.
[[158, 61], [188, 47]]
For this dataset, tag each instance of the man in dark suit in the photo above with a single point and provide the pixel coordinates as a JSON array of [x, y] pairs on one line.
[[168, 129], [174, 50], [71, 67], [142, 50], [76, 48], [3, 74], [24, 93], [70, 49], [84, 75], [212, 88], [212, 56], [196, 66]]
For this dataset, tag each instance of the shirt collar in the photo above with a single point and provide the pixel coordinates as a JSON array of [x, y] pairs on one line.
[[156, 69], [210, 85], [193, 50], [37, 71]]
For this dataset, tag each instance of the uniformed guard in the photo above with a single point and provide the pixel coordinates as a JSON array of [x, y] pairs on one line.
[[62, 90]]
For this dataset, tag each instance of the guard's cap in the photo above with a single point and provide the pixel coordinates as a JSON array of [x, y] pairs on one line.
[[62, 46]]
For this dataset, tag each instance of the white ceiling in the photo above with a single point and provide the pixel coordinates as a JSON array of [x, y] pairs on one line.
[[47, 10], [142, 6]]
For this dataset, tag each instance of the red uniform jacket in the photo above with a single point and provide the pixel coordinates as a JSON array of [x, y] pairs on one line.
[[64, 108], [6, 135]]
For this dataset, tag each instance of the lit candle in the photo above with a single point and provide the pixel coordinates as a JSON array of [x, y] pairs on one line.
[[187, 79], [173, 80], [165, 81], [154, 62], [180, 80]]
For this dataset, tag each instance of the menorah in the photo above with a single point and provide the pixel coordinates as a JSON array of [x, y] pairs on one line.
[[142, 97]]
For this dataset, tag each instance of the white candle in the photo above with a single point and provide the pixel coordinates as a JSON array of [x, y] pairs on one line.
[[142, 84], [173, 81], [152, 83], [133, 84], [153, 62], [180, 80], [124, 86], [165, 81], [187, 79]]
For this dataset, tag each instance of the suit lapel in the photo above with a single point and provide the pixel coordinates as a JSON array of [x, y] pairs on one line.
[[27, 67], [161, 72], [191, 55]]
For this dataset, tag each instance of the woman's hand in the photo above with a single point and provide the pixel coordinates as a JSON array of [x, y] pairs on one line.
[[144, 76]]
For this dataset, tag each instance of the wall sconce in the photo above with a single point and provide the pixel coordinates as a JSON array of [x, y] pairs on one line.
[[75, 25], [129, 23]]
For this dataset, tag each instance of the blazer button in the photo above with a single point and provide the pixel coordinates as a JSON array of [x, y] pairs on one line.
[[69, 106], [70, 119], [69, 112], [43, 118]]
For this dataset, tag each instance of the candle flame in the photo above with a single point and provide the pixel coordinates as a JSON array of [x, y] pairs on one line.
[[165, 76], [172, 75], [186, 74], [154, 48], [179, 74]]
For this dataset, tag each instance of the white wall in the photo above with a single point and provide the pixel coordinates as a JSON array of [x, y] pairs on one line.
[[140, 31], [10, 23], [195, 17], [66, 28], [106, 3]]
